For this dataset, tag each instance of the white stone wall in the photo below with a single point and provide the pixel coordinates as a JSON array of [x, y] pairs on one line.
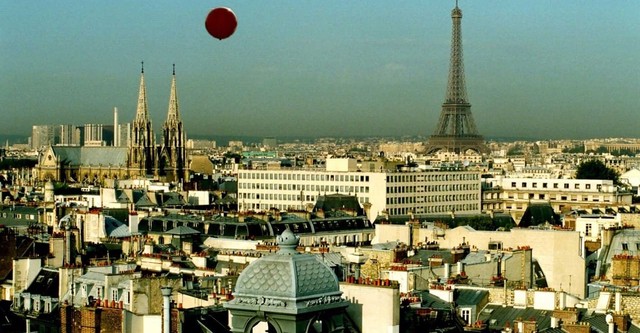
[[373, 309], [559, 253], [24, 272]]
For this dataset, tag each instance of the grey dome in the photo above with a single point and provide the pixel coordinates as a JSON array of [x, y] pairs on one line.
[[287, 274]]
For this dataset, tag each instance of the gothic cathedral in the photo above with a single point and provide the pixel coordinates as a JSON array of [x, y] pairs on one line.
[[146, 159], [142, 158]]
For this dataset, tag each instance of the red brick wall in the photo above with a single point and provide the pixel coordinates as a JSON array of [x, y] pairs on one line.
[[90, 320], [111, 320]]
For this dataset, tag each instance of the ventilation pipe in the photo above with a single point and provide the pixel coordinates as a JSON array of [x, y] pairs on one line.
[[610, 323], [67, 245], [447, 271]]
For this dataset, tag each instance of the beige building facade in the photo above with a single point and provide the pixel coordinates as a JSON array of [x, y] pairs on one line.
[[561, 254], [515, 194]]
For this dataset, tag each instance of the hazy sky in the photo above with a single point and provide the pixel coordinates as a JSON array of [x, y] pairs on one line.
[[534, 68]]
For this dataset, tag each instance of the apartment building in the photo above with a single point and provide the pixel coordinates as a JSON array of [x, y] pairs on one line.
[[515, 194], [591, 225], [394, 192]]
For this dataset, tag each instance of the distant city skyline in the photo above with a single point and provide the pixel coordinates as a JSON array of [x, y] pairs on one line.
[[534, 69]]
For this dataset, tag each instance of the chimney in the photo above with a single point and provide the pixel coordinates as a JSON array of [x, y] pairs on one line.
[[621, 321], [618, 303], [367, 209], [166, 309], [577, 328], [67, 245], [520, 298], [504, 286], [526, 326], [566, 316], [544, 300], [531, 326], [447, 271], [607, 236], [134, 221]]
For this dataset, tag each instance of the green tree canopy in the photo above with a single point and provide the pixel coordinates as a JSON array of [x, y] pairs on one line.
[[596, 169], [574, 150]]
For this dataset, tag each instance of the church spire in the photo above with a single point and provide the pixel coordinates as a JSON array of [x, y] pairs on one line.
[[173, 157], [142, 112], [141, 156], [174, 112]]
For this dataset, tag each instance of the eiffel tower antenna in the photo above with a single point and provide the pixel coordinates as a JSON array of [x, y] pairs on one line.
[[456, 131]]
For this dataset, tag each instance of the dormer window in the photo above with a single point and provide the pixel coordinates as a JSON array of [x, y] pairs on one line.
[[17, 301], [27, 302]]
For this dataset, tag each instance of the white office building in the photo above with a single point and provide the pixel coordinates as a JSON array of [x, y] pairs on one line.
[[393, 192]]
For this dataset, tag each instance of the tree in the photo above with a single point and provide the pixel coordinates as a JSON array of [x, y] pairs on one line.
[[574, 150], [515, 150], [596, 169]]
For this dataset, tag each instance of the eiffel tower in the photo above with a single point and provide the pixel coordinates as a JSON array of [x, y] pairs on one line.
[[456, 130]]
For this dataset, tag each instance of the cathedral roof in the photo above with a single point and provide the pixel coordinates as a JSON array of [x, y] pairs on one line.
[[114, 156]]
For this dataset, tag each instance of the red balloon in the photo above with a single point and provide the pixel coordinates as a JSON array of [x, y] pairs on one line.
[[221, 23]]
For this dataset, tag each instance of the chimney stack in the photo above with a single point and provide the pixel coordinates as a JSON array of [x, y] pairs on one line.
[[166, 309]]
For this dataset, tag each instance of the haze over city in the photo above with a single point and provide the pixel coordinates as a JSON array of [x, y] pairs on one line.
[[535, 69]]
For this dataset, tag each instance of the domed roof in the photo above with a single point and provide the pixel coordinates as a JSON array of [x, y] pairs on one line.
[[287, 274]]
